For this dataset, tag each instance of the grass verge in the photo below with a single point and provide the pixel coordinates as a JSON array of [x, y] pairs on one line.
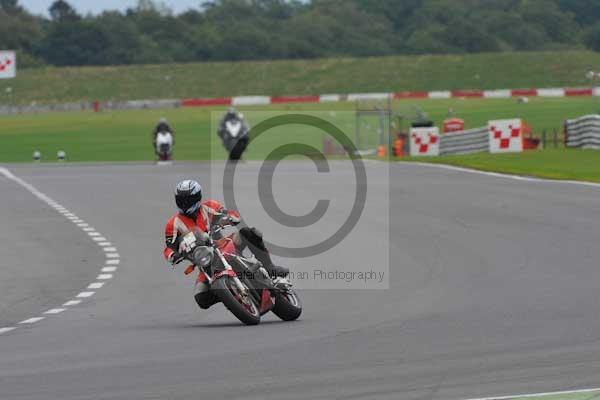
[[125, 135], [320, 76], [579, 165]]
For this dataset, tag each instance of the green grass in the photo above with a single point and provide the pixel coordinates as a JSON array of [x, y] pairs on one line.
[[125, 135], [563, 396], [340, 75], [581, 165]]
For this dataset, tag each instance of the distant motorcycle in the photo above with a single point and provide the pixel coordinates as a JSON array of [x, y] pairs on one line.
[[243, 285], [234, 134], [164, 146]]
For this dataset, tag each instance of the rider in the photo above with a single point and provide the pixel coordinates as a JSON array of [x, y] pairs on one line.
[[162, 126], [230, 115], [195, 213]]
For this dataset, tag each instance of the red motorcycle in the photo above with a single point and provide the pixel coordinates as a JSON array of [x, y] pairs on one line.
[[242, 284]]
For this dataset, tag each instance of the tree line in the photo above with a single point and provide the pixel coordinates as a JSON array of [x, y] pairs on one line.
[[230, 30]]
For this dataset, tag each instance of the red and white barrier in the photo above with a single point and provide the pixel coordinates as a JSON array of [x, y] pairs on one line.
[[329, 98], [551, 92], [441, 95], [506, 136], [425, 142], [8, 64], [250, 100], [368, 96], [497, 94]]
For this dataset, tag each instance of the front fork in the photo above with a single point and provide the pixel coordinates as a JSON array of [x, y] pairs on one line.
[[231, 273]]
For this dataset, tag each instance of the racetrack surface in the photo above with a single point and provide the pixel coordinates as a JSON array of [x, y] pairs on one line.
[[493, 291]]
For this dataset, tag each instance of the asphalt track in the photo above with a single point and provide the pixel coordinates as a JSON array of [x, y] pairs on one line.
[[493, 291]]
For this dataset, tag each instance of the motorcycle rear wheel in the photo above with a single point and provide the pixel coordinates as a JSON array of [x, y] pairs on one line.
[[244, 309]]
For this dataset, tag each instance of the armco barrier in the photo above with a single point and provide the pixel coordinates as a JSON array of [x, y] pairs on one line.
[[583, 133], [469, 141]]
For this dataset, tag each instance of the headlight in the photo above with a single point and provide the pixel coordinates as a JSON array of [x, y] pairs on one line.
[[203, 256]]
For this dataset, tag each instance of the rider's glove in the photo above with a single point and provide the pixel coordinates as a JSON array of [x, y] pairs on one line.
[[175, 258], [234, 217]]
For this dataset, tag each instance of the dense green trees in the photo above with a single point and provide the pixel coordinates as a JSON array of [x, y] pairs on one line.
[[273, 29]]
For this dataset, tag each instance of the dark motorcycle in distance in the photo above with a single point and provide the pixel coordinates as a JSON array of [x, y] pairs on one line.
[[234, 134], [243, 285], [163, 145]]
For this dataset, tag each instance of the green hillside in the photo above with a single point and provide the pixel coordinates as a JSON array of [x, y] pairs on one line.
[[337, 75]]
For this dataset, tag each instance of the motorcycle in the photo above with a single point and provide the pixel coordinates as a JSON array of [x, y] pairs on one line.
[[234, 134], [164, 146], [243, 285]]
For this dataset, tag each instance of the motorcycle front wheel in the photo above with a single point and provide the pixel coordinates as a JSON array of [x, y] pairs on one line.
[[287, 306], [239, 304]]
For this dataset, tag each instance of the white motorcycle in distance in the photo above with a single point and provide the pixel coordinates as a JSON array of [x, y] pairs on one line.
[[234, 134], [164, 146]]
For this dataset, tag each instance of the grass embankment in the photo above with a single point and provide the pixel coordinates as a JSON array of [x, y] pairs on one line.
[[320, 76]]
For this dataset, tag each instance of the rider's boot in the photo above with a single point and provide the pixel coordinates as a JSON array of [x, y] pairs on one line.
[[204, 297], [254, 240]]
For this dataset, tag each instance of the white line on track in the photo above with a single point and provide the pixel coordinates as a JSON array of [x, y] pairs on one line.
[[101, 241], [55, 311], [579, 391], [501, 175], [95, 285], [32, 320]]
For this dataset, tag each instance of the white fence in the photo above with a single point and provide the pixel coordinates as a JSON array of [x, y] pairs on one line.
[[584, 132]]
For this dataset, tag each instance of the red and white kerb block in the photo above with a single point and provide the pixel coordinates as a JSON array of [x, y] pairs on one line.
[[506, 136], [8, 64], [425, 142]]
